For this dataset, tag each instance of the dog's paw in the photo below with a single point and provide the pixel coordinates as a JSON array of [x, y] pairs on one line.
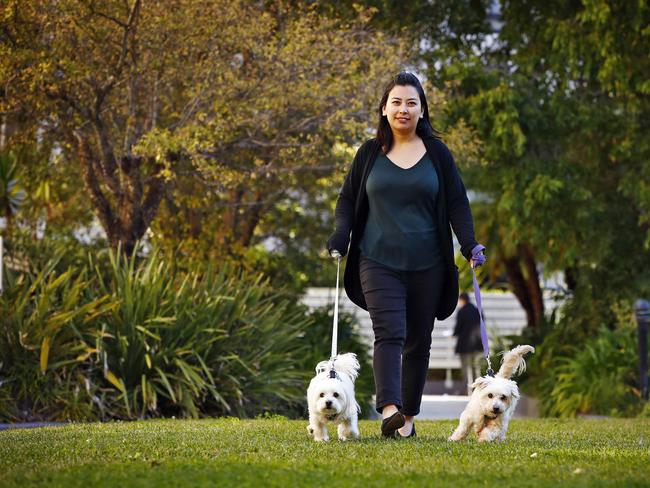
[[310, 429], [487, 436], [349, 436], [454, 438]]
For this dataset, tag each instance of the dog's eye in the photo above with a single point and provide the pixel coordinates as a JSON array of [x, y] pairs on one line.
[[490, 395], [322, 395], [503, 397], [336, 395]]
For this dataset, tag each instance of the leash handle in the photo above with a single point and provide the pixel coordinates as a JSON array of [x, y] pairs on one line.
[[335, 322], [484, 336]]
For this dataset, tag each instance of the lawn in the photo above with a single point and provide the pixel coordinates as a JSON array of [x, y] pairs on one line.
[[278, 452]]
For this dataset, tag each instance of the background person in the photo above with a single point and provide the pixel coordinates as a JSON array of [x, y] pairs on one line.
[[468, 345]]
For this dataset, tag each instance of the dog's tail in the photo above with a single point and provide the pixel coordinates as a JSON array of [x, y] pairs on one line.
[[348, 364], [513, 361]]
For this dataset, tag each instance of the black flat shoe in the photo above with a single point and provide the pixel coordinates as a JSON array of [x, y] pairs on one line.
[[390, 424], [412, 434]]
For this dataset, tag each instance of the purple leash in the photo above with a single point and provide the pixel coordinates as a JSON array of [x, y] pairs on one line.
[[479, 259]]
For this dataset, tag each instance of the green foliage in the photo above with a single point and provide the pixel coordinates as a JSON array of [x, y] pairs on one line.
[[243, 129], [141, 338], [24, 253], [645, 411], [557, 101], [11, 193], [225, 122], [44, 319], [597, 377], [576, 371], [206, 341], [53, 204]]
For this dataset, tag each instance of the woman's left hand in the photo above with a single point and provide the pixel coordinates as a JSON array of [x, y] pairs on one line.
[[478, 257]]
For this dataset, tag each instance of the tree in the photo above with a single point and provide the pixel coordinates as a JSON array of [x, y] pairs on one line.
[[137, 92], [559, 99], [293, 108]]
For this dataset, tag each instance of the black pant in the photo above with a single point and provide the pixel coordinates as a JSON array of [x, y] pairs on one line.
[[402, 306]]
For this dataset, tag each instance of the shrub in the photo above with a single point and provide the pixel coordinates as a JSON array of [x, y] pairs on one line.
[[645, 411], [44, 319], [139, 339], [597, 377], [586, 374], [214, 341]]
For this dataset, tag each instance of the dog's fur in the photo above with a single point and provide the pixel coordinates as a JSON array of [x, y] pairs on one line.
[[332, 399], [493, 400]]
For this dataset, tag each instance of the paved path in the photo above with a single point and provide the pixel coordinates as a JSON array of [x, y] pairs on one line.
[[30, 425], [451, 406], [442, 406], [434, 407]]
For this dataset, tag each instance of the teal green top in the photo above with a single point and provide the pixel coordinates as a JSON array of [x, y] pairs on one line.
[[401, 231]]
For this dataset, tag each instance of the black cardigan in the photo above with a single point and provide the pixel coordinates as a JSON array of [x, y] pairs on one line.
[[351, 215]]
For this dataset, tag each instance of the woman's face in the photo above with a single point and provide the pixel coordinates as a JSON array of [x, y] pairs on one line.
[[403, 109]]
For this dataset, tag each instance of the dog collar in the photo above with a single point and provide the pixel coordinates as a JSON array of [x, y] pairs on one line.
[[334, 374]]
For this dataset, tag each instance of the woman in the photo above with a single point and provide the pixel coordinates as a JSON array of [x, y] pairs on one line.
[[394, 211]]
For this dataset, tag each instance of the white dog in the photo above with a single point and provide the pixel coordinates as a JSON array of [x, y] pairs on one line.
[[330, 397], [493, 400]]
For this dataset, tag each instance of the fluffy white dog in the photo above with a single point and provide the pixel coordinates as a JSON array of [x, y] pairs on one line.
[[493, 400], [330, 397]]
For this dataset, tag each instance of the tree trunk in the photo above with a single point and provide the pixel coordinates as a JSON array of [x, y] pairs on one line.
[[241, 217], [124, 201], [524, 280], [571, 277], [250, 219]]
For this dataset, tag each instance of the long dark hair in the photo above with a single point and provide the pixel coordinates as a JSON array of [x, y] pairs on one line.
[[424, 127]]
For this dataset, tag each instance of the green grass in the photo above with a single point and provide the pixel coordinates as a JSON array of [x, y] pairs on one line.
[[278, 452]]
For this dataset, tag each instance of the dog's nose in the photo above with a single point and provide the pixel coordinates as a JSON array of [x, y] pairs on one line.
[[496, 409], [328, 404]]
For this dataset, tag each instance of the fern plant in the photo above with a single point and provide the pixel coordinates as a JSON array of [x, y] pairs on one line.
[[211, 341], [142, 339], [598, 377], [43, 321]]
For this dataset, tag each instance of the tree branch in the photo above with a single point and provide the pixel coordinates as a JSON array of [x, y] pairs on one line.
[[110, 82]]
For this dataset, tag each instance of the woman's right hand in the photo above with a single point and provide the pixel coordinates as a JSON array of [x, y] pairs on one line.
[[338, 243]]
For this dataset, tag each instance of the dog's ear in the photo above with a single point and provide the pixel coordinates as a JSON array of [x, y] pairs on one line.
[[480, 383], [322, 366]]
